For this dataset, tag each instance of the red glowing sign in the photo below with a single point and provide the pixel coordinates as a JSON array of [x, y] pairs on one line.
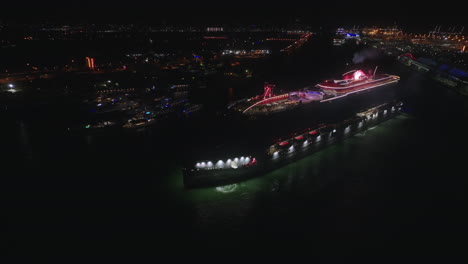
[[90, 63]]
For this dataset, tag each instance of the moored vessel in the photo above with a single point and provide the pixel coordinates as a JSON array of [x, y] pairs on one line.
[[355, 81], [350, 83]]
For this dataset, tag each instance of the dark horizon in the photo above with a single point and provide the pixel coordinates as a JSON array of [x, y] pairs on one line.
[[412, 16]]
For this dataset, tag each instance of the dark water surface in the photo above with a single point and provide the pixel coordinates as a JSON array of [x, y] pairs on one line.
[[398, 186]]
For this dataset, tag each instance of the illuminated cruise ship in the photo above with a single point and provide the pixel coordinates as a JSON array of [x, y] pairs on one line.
[[351, 82], [355, 81], [228, 167], [268, 103]]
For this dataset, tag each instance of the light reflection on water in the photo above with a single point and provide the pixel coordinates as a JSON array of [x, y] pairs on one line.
[[227, 188]]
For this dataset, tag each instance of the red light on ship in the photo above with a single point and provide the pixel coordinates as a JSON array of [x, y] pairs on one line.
[[357, 74], [252, 162], [409, 55], [268, 90]]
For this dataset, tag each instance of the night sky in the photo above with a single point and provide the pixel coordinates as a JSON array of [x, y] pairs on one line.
[[411, 14]]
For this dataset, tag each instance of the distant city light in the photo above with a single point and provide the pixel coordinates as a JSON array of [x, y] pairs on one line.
[[90, 63]]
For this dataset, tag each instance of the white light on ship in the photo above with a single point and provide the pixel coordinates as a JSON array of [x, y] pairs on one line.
[[209, 164], [11, 85], [305, 143], [276, 154], [334, 130], [291, 148], [318, 138], [234, 165]]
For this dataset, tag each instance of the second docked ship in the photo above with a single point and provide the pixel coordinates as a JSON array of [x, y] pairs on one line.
[[350, 83]]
